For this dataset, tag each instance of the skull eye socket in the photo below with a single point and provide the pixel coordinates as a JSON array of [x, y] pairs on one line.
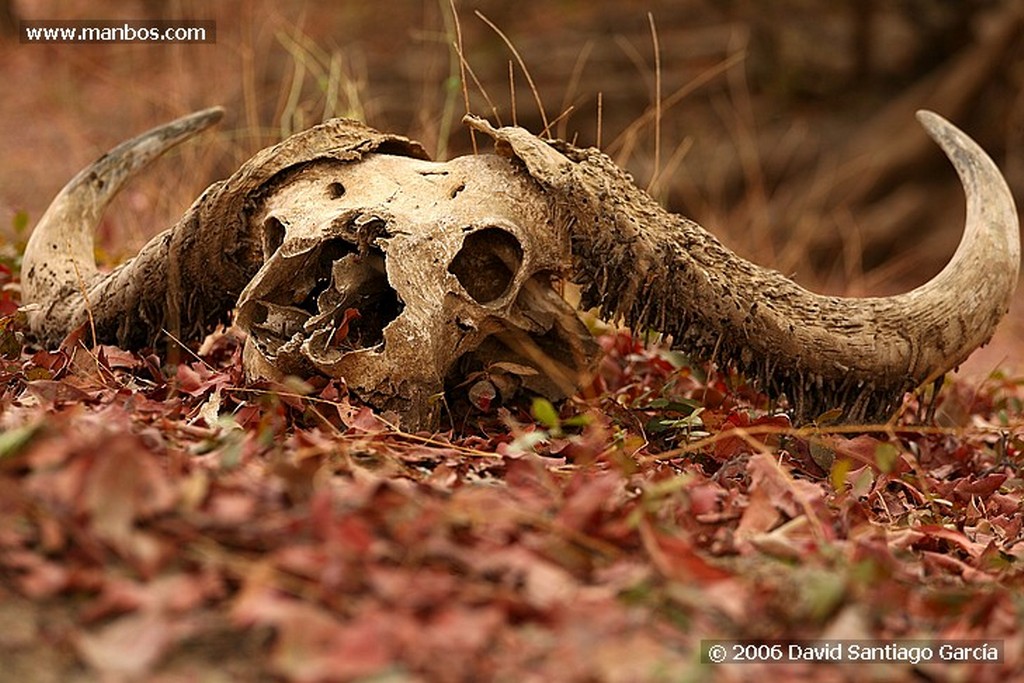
[[487, 263]]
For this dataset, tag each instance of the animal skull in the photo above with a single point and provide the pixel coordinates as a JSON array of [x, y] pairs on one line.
[[347, 252], [404, 275]]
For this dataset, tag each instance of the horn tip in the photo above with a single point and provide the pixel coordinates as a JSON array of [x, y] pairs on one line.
[[940, 129], [205, 118]]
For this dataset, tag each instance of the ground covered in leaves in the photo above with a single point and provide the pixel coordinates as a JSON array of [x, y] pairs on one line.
[[163, 520], [166, 521]]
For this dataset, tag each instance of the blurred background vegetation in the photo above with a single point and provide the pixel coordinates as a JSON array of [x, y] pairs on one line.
[[784, 127]]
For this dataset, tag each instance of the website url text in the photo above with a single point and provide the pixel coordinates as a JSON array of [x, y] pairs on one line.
[[101, 31]]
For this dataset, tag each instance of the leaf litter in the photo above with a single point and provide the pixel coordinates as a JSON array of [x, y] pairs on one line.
[[172, 522]]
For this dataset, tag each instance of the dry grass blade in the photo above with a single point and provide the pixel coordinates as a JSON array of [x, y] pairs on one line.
[[522, 65], [572, 86], [657, 102], [460, 53], [483, 93], [622, 144], [512, 94], [327, 72]]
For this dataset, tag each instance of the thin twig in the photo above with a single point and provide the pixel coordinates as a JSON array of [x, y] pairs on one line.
[[187, 349], [395, 429]]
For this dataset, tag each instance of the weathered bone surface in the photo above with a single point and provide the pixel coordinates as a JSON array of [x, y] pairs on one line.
[[348, 253], [403, 275]]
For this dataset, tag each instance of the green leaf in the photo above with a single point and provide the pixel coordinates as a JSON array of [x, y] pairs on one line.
[[581, 420], [546, 414], [656, 426], [689, 423]]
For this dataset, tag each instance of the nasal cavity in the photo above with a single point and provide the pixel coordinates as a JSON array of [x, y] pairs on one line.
[[273, 236], [487, 263]]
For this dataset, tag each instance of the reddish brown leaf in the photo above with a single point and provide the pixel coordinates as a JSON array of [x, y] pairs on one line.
[[678, 560], [760, 516], [587, 497], [957, 538], [981, 487], [124, 486], [52, 391], [341, 331]]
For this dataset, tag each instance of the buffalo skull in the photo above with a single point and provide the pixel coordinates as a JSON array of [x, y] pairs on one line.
[[405, 276], [348, 253]]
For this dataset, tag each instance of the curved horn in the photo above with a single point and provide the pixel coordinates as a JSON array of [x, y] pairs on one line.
[[187, 278], [59, 258], [655, 269]]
